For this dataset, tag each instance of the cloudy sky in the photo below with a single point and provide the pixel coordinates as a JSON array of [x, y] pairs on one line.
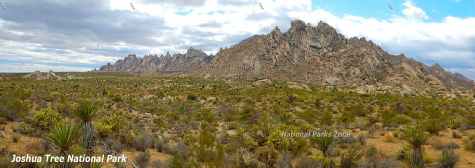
[[80, 35]]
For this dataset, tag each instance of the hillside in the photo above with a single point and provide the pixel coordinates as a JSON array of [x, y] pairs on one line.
[[310, 54]]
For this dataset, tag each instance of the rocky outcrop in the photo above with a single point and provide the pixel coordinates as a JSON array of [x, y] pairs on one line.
[[306, 54], [37, 75], [321, 55], [190, 61]]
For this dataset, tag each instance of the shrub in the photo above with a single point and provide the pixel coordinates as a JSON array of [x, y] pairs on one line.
[[324, 143], [142, 159], [46, 118], [349, 159], [284, 161], [177, 162], [143, 142], [433, 126], [448, 158], [12, 108], [25, 128], [63, 136], [469, 143]]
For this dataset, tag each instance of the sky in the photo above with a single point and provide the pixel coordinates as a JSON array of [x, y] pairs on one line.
[[80, 35]]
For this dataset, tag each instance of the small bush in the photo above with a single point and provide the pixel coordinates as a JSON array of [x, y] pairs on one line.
[[142, 159], [143, 142], [470, 143], [25, 128], [12, 108], [351, 157], [448, 158], [46, 118], [324, 143], [433, 126]]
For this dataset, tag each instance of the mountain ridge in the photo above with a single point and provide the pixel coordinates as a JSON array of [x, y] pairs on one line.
[[305, 53]]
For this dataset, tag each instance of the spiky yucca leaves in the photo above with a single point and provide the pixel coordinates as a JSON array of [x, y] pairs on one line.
[[63, 136], [416, 137], [86, 111]]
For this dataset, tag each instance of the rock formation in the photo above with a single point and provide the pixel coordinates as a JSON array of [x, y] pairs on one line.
[[37, 75], [307, 54], [191, 61]]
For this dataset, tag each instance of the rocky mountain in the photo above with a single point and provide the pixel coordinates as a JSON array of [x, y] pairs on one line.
[[191, 61], [309, 54]]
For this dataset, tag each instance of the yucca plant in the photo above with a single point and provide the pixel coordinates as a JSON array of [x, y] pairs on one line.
[[324, 143], [416, 137], [86, 111], [63, 136]]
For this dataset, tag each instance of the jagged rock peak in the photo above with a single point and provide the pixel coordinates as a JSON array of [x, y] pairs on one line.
[[192, 52], [132, 56], [325, 26], [297, 25], [276, 30]]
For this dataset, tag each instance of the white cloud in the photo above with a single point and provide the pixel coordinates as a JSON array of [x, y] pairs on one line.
[[30, 67], [413, 12]]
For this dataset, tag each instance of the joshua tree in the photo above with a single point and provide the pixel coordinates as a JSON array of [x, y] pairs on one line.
[[63, 137], [416, 137], [86, 112]]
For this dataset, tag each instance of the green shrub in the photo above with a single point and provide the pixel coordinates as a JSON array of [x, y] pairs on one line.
[[46, 118], [142, 159], [350, 158], [12, 108], [433, 126], [324, 142], [469, 143], [448, 158]]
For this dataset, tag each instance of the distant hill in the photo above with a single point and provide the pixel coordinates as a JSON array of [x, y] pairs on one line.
[[309, 54], [37, 75]]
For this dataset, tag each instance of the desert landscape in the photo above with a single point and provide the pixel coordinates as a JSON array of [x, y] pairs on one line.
[[305, 98]]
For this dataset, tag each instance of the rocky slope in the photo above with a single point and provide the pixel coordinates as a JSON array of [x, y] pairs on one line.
[[310, 54]]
